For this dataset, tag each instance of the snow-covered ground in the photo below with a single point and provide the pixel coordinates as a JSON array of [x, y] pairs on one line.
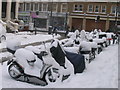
[[27, 38], [101, 73]]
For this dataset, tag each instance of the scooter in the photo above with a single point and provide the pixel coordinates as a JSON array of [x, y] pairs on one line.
[[48, 73]]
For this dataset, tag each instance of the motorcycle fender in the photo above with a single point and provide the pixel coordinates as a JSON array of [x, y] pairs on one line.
[[9, 62]]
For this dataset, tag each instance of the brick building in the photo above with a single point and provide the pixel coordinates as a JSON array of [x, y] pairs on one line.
[[84, 15], [80, 14]]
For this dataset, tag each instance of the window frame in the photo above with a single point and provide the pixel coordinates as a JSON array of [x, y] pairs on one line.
[[78, 8], [32, 6], [40, 7], [21, 7], [112, 9], [36, 9], [46, 9], [62, 9], [27, 8], [89, 8], [54, 9], [104, 9], [98, 9]]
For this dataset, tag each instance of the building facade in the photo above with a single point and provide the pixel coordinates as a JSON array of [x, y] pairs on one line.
[[9, 9], [81, 15], [91, 15], [49, 13]]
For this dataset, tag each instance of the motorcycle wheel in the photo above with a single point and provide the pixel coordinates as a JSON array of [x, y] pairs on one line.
[[14, 71], [52, 75]]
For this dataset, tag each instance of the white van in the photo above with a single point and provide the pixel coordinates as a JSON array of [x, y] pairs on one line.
[[2, 33]]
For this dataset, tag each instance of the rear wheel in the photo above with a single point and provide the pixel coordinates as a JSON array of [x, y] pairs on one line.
[[14, 71]]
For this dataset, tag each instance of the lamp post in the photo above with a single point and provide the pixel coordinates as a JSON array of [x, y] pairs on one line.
[[50, 19], [66, 26], [37, 13], [97, 20]]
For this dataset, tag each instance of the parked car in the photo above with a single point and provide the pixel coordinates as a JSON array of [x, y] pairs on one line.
[[2, 33]]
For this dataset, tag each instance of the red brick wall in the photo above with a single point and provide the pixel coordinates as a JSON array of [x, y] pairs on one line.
[[91, 25], [77, 23]]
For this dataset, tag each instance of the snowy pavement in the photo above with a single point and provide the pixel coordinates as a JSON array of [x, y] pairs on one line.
[[25, 38], [101, 73]]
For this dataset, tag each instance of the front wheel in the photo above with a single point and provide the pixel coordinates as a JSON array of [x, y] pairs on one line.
[[53, 75], [14, 71]]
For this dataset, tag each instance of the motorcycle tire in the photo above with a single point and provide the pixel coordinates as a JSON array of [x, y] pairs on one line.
[[52, 75], [14, 71]]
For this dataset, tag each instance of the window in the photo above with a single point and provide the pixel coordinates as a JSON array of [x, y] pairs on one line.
[[90, 8], [78, 7], [96, 9], [64, 7], [36, 6], [113, 9], [44, 7], [103, 9], [32, 5], [54, 7], [40, 6], [21, 7], [27, 6]]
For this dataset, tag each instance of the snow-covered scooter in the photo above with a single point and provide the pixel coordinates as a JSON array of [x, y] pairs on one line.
[[31, 66], [26, 67]]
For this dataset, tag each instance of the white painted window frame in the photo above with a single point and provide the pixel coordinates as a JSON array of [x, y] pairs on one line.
[[112, 9], [55, 7], [63, 8], [104, 8], [35, 6], [98, 9], [89, 8], [28, 7], [45, 8]]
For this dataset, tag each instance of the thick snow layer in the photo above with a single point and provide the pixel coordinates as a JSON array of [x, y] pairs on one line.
[[85, 46], [2, 29], [5, 55], [27, 38], [98, 40], [24, 55], [33, 49], [102, 72], [83, 35], [72, 49], [13, 44]]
